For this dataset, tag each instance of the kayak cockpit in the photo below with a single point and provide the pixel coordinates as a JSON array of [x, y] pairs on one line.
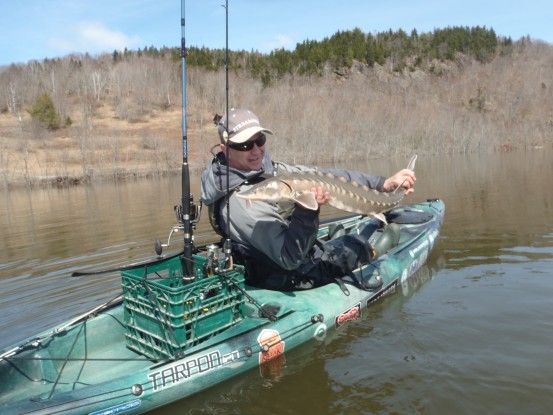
[[89, 352]]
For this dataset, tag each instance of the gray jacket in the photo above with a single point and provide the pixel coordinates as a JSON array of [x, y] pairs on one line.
[[285, 236]]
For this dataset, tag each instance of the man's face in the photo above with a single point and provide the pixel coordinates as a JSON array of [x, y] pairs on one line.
[[247, 159]]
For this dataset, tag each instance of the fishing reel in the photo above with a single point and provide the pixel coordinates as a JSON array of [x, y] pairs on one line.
[[195, 215], [217, 261]]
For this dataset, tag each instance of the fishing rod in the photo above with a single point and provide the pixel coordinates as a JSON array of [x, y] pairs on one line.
[[187, 213], [227, 245]]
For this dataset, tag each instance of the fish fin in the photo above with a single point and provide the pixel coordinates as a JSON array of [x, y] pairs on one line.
[[307, 200], [411, 165], [381, 217]]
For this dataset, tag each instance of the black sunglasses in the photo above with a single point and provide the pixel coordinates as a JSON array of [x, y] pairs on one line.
[[248, 145]]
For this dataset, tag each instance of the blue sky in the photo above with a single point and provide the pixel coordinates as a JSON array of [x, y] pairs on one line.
[[38, 29]]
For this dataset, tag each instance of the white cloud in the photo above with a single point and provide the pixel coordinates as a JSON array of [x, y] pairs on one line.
[[281, 41], [93, 37]]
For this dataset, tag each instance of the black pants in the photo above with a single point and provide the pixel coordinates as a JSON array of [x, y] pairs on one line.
[[328, 261]]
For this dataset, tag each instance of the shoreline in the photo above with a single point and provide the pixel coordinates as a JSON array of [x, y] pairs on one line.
[[62, 181]]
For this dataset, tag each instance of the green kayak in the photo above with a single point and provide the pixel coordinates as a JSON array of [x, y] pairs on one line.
[[168, 336]]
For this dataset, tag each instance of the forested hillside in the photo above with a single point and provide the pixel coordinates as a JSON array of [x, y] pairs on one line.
[[352, 95]]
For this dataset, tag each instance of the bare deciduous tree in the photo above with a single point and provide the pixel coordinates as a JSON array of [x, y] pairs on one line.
[[363, 111]]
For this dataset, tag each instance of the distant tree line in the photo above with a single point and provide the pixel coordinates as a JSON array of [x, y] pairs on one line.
[[345, 47], [342, 49]]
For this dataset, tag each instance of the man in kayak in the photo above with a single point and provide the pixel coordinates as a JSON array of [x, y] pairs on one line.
[[280, 248]]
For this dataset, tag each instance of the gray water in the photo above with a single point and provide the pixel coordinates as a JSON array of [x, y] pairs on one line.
[[472, 332]]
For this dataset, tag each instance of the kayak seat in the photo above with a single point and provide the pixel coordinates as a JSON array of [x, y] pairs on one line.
[[388, 239], [335, 230]]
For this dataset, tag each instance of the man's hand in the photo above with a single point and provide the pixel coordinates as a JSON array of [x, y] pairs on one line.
[[404, 178], [321, 196]]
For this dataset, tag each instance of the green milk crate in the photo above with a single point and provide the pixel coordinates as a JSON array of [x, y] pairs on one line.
[[166, 315]]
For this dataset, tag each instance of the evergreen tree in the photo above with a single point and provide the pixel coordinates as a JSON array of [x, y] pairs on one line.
[[45, 113]]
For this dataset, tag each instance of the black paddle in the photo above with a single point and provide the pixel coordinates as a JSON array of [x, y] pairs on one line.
[[125, 267]]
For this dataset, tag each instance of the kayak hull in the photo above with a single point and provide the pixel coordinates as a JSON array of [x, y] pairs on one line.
[[88, 365]]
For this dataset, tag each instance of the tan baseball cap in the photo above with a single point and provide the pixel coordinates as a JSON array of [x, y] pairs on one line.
[[242, 125]]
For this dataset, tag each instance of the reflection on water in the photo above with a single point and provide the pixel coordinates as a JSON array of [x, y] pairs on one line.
[[471, 332], [49, 233]]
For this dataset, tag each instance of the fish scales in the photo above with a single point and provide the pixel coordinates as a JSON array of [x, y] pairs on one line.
[[344, 194]]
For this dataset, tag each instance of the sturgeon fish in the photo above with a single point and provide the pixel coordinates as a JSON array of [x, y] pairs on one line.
[[344, 195]]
